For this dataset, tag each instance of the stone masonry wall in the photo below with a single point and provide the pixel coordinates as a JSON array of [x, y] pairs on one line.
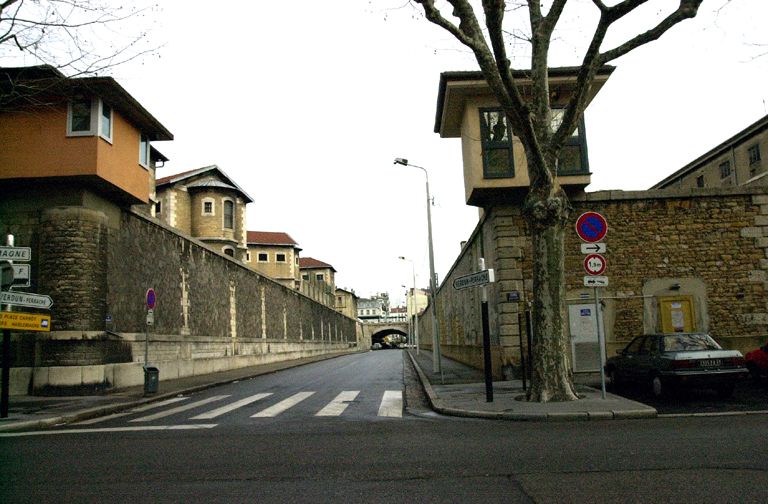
[[709, 244]]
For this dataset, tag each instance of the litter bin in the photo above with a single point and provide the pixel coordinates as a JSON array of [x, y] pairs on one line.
[[151, 379]]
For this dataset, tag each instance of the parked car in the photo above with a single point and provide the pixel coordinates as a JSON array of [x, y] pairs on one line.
[[376, 346], [757, 362], [668, 361]]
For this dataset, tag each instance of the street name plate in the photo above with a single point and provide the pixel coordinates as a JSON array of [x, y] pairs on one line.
[[474, 280], [26, 299], [25, 321], [16, 253]]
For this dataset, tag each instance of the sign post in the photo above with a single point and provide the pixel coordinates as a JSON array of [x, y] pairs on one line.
[[481, 278], [592, 228], [151, 301]]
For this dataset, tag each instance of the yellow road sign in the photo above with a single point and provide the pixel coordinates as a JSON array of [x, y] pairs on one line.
[[25, 321]]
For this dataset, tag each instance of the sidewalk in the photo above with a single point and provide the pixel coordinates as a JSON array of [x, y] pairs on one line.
[[460, 391], [36, 412]]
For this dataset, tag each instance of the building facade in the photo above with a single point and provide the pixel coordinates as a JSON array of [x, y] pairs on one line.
[[346, 302], [737, 161], [684, 259], [318, 280], [208, 205], [275, 255]]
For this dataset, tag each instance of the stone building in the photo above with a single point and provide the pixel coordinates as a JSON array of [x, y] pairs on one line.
[[685, 259], [737, 161], [318, 280], [208, 205], [346, 302], [276, 255], [77, 183]]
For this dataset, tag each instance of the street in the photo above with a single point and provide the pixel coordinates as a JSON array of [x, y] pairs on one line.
[[247, 449]]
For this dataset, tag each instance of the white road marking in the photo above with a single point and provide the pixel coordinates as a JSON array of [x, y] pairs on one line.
[[173, 411], [109, 429], [140, 409], [230, 407], [339, 404], [391, 404], [282, 405]]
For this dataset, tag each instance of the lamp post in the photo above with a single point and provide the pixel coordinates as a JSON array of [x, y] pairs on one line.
[[436, 361], [412, 316]]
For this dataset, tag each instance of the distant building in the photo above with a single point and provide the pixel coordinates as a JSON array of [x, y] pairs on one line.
[[736, 162], [346, 302], [373, 309], [208, 205], [318, 280], [416, 301], [275, 255]]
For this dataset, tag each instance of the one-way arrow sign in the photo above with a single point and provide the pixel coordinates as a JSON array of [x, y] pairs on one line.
[[593, 248], [595, 281], [26, 299]]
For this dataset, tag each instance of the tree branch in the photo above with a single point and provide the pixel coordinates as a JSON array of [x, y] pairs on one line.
[[687, 10]]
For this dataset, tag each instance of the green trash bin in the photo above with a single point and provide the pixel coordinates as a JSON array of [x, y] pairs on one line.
[[151, 379]]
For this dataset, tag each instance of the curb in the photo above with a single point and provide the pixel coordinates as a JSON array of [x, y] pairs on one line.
[[437, 405]]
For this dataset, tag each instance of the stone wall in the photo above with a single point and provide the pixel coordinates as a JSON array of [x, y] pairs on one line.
[[209, 306], [710, 245]]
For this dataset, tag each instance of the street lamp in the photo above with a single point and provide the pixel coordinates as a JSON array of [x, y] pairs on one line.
[[436, 361], [412, 306]]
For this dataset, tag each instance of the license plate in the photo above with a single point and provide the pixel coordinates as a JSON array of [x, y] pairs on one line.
[[710, 362]]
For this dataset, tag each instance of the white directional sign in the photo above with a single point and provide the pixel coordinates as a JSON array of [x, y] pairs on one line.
[[21, 275], [593, 248], [595, 281], [474, 280], [15, 253], [26, 299]]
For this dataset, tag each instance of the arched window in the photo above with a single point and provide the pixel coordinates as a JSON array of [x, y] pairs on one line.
[[229, 214], [229, 251]]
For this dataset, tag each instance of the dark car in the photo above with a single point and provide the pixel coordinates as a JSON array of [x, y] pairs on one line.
[[668, 361], [757, 362]]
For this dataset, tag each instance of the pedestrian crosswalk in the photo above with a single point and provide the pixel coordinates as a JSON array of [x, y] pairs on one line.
[[390, 405]]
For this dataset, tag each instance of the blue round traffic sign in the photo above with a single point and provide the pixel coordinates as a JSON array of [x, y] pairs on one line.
[[151, 298], [591, 227]]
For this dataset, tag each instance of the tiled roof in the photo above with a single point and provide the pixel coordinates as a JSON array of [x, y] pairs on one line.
[[172, 179], [270, 238], [311, 263]]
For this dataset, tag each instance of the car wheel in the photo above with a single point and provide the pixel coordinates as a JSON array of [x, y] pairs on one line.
[[657, 386], [613, 379], [725, 391]]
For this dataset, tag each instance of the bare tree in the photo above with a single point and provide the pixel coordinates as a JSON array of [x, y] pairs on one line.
[[75, 36], [546, 207]]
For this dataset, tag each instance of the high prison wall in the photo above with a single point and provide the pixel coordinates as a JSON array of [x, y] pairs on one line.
[[710, 245], [212, 312]]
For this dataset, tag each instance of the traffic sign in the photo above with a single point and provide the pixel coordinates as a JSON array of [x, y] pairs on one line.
[[151, 298], [25, 321], [593, 248], [21, 275], [591, 227], [26, 299], [595, 281], [474, 280], [594, 264], [16, 253]]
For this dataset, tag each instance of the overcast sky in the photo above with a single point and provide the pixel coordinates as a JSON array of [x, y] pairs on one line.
[[306, 104]]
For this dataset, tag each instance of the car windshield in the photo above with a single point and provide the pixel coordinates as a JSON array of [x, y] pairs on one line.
[[689, 342]]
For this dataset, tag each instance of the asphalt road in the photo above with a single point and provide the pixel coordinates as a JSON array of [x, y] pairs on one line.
[[361, 455]]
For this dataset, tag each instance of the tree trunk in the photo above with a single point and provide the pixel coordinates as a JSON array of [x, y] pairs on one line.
[[547, 213]]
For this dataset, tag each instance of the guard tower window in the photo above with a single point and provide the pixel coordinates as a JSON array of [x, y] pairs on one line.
[[498, 161]]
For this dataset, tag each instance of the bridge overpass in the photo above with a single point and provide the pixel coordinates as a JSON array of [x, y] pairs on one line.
[[375, 332]]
